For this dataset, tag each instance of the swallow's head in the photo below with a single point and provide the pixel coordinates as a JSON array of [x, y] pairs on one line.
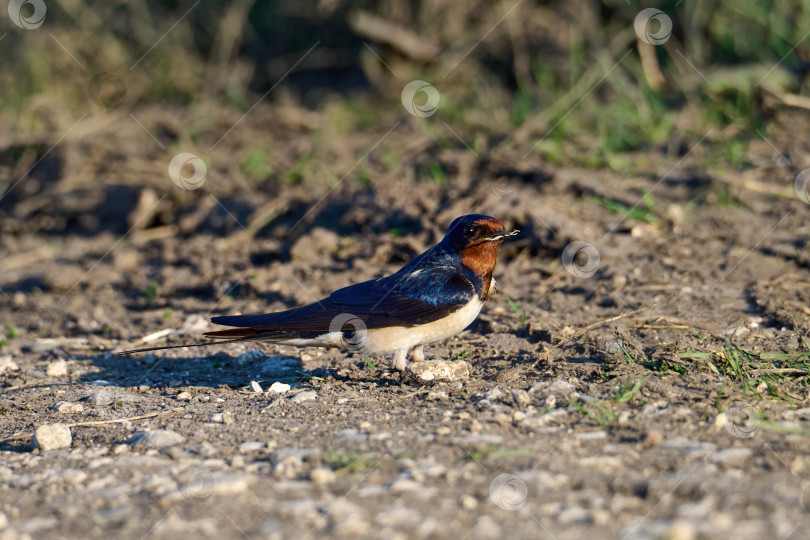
[[476, 238]]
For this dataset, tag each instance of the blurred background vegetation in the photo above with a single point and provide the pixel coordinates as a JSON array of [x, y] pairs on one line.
[[565, 82]]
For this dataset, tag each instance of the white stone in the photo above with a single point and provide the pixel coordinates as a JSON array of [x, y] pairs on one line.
[[51, 437], [159, 438], [65, 407], [57, 368], [322, 475], [732, 457], [434, 371], [279, 388], [307, 395], [7, 364], [252, 446]]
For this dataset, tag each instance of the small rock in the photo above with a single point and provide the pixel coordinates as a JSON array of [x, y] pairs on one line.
[[279, 388], [73, 476], [255, 387], [603, 463], [225, 417], [183, 396], [429, 373], [591, 435], [119, 449], [560, 389], [322, 475], [541, 422], [7, 364], [468, 502], [688, 447], [495, 394], [479, 440], [57, 368], [347, 520], [574, 515], [44, 345], [798, 414], [520, 398], [37, 524], [288, 468], [100, 398], [65, 407], [732, 457], [681, 530], [404, 485], [307, 395], [721, 420], [51, 437], [230, 483], [251, 446], [352, 434], [159, 438]]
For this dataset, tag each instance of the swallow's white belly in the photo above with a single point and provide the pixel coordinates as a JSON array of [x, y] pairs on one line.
[[397, 338]]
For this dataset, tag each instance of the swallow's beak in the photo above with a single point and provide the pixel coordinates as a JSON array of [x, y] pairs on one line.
[[500, 235]]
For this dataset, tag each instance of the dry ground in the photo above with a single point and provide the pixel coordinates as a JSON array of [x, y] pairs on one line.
[[686, 417]]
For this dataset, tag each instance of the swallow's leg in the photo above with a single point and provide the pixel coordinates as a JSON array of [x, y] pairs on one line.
[[400, 360], [418, 353]]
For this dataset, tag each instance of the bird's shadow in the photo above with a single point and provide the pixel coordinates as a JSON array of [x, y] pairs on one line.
[[213, 371], [221, 369]]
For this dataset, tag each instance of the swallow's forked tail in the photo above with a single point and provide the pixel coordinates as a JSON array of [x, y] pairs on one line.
[[231, 335]]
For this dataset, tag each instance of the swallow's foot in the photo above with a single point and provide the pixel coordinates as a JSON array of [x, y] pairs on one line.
[[400, 360], [418, 353]]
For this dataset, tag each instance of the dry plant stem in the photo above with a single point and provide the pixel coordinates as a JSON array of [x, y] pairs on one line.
[[28, 434], [412, 45]]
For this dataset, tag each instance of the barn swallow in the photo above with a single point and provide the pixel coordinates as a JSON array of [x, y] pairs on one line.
[[435, 296]]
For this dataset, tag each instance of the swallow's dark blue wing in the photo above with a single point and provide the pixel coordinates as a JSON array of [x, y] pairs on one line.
[[417, 297], [417, 294]]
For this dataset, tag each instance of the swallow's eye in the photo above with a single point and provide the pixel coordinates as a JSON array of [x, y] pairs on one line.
[[469, 230]]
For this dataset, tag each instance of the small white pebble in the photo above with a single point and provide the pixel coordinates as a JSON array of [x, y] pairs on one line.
[[322, 475], [183, 396], [279, 388], [468, 502], [57, 369], [52, 436], [255, 387], [7, 364], [65, 407]]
